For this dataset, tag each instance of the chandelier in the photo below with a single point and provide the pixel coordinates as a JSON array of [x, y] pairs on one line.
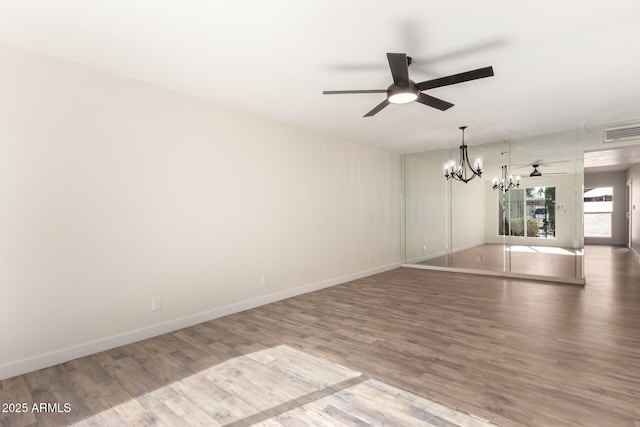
[[507, 182], [463, 171]]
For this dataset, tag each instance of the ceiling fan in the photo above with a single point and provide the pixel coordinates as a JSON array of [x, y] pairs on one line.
[[536, 173], [404, 90]]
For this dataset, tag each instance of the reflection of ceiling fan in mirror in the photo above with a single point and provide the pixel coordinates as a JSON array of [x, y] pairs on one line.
[[536, 164], [536, 173]]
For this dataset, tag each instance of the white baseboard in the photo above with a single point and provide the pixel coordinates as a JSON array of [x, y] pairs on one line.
[[85, 349], [555, 279], [441, 253], [425, 257]]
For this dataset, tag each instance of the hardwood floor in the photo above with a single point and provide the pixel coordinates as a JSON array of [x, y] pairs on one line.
[[509, 351]]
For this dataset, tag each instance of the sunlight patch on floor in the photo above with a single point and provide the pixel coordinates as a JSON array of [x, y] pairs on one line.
[[374, 403], [231, 391], [281, 386], [541, 250]]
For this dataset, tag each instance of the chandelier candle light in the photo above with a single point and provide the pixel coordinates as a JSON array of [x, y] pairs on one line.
[[463, 171]]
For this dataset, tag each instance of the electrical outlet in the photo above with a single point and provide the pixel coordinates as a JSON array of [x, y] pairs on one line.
[[156, 304], [266, 280], [370, 259]]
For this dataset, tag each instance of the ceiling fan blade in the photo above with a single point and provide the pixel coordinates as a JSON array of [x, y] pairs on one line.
[[342, 92], [551, 163], [433, 102], [377, 109], [456, 78], [525, 165], [399, 68]]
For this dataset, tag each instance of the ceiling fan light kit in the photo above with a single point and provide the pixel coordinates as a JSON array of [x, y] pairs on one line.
[[404, 90], [402, 96], [463, 170]]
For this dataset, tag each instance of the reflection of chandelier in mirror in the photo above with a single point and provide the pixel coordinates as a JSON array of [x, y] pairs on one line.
[[507, 182], [463, 171]]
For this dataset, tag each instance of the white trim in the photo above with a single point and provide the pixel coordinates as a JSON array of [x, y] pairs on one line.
[[426, 257], [467, 246], [81, 350], [557, 279], [635, 253], [441, 253]]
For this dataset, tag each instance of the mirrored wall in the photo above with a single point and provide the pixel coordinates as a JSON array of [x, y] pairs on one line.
[[533, 230]]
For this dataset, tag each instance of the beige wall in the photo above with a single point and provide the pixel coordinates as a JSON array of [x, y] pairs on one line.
[[467, 214], [425, 209], [113, 192]]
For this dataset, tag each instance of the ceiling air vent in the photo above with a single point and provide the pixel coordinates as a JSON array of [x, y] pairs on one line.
[[621, 134]]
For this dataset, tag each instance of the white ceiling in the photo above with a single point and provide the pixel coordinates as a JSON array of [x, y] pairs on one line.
[[614, 159], [558, 65]]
